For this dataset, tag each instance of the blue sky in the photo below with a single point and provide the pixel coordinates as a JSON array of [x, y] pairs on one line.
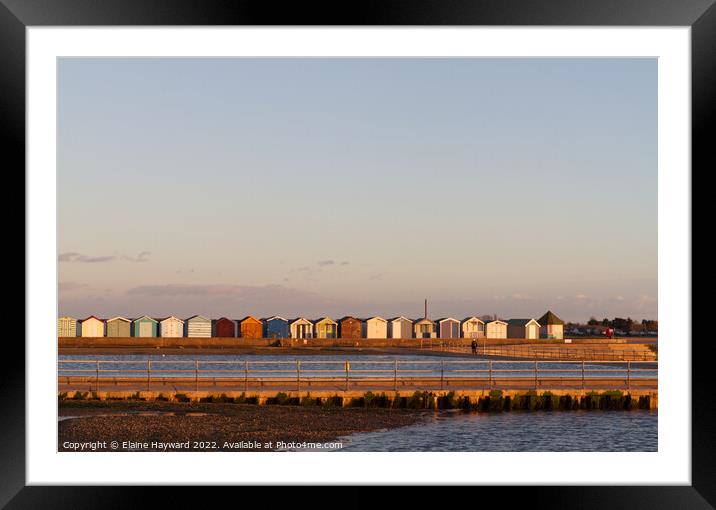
[[358, 186]]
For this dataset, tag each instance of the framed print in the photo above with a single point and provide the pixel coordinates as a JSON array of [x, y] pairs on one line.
[[411, 245]]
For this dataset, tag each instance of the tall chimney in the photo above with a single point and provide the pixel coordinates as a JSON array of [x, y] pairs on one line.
[[426, 309]]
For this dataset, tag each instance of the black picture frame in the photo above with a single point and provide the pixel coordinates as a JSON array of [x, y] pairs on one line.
[[700, 15]]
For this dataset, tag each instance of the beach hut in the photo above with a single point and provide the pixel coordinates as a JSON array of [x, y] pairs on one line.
[[400, 327], [551, 326], [92, 327], [496, 329], [276, 327], [523, 328], [326, 328], [171, 327], [119, 327], [424, 328], [301, 328], [472, 327], [448, 327], [66, 326], [251, 327], [145, 327], [350, 327], [224, 328], [376, 327], [197, 326]]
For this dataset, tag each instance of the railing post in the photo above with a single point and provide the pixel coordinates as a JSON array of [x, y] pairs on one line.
[[395, 375], [536, 374], [490, 373], [628, 374], [196, 375], [97, 378], [246, 376], [582, 374], [298, 375], [149, 374]]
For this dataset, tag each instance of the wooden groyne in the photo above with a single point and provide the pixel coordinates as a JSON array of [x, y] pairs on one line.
[[480, 400]]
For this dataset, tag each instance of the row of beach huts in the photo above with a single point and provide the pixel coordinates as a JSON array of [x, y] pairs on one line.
[[547, 326]]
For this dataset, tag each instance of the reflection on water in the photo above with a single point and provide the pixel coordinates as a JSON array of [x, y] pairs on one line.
[[571, 431]]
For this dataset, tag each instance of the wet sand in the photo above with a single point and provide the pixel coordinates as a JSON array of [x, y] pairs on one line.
[[215, 426]]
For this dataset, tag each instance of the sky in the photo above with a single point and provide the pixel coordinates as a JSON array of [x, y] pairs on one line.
[[313, 187]]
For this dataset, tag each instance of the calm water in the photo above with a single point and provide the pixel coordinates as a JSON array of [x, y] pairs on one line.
[[176, 365], [541, 431]]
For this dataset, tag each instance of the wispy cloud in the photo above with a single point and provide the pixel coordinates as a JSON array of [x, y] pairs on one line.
[[78, 257], [95, 259], [70, 286], [326, 262]]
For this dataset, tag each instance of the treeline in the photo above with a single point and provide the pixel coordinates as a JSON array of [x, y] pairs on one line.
[[628, 325]]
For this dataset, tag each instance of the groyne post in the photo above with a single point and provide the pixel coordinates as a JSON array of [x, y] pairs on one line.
[[196, 375], [298, 375], [97, 375], [149, 375]]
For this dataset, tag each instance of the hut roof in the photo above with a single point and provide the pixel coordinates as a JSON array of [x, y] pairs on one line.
[[276, 318], [473, 318], [520, 322], [400, 318], [144, 317], [550, 319], [118, 319], [197, 317], [327, 320]]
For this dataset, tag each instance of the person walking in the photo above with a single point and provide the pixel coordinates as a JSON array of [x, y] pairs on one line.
[[474, 347]]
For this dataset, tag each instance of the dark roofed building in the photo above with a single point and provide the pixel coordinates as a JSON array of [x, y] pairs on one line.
[[551, 326]]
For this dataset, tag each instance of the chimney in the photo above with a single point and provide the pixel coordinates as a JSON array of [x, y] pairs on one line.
[[426, 309]]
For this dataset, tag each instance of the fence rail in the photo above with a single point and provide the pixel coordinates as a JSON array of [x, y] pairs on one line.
[[540, 352], [96, 375]]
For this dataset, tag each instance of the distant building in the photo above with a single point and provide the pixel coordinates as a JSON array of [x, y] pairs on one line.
[[66, 326], [119, 327], [551, 326], [448, 327], [400, 327], [92, 327], [171, 327], [350, 327], [276, 327], [326, 328], [496, 329], [145, 327], [224, 328], [251, 327], [472, 327], [424, 328], [376, 327], [197, 326], [301, 328], [523, 328]]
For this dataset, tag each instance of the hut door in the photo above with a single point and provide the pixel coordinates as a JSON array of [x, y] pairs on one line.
[[145, 329]]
